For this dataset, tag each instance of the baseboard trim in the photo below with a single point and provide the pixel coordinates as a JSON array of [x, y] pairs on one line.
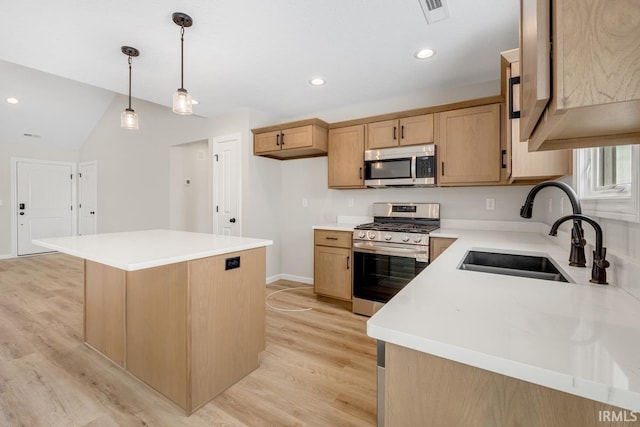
[[7, 256], [292, 277]]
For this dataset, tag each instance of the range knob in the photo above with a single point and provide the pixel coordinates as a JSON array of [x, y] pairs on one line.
[[405, 238], [362, 235], [387, 236], [371, 235], [417, 238]]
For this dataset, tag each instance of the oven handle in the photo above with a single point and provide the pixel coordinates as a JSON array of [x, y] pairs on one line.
[[413, 168], [386, 250]]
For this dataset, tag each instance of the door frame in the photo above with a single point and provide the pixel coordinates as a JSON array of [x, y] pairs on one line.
[[95, 191], [14, 198], [237, 137]]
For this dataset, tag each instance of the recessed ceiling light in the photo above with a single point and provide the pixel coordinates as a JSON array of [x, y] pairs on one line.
[[317, 81], [425, 53], [12, 100]]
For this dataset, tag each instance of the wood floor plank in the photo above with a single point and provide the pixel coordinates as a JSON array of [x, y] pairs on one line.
[[318, 367]]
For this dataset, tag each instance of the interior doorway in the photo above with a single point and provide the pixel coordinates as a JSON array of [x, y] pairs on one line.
[[87, 198], [190, 187], [227, 179], [44, 197]]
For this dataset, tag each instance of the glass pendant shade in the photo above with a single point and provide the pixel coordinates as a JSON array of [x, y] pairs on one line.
[[129, 119], [182, 103]]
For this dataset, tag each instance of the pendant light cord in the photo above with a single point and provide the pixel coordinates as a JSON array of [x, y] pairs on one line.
[[182, 57], [129, 82]]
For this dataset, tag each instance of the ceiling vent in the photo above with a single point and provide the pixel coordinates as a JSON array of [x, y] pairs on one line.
[[435, 10]]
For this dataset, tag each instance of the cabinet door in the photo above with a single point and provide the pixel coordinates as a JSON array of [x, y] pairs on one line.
[[382, 134], [416, 130], [332, 272], [266, 142], [535, 63], [527, 165], [346, 157], [469, 145], [297, 137]]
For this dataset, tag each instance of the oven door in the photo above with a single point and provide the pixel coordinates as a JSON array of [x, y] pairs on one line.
[[381, 270]]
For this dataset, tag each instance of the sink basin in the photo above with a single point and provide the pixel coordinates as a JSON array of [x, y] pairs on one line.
[[532, 266]]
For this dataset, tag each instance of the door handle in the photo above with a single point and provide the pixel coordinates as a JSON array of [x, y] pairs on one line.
[[21, 206], [232, 220], [21, 213]]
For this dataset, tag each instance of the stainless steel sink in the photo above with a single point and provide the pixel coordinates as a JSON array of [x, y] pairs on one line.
[[532, 266]]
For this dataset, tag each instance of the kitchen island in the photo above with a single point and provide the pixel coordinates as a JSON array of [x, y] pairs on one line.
[[470, 348], [183, 312]]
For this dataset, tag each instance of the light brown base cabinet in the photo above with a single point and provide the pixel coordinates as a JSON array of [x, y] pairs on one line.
[[189, 330], [332, 264], [437, 245], [426, 390]]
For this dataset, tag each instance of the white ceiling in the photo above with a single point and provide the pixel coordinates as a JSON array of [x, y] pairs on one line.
[[249, 53]]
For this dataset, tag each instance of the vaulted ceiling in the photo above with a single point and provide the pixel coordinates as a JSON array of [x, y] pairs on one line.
[[246, 53]]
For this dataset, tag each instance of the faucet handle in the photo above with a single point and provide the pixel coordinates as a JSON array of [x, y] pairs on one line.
[[601, 263]]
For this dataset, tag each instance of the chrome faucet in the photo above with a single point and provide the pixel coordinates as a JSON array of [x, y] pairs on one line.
[[598, 270], [576, 256]]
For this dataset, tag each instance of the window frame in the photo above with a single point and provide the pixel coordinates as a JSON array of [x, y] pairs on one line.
[[619, 202]]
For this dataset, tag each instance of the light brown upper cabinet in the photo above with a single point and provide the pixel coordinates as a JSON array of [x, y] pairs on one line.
[[346, 157], [468, 146], [589, 94], [292, 140], [406, 131], [523, 166]]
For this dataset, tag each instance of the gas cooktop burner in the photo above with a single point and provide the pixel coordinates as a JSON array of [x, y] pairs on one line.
[[398, 227]]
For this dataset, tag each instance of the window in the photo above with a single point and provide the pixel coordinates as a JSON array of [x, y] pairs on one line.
[[608, 181]]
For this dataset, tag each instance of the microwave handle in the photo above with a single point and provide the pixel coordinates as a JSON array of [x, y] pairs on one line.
[[414, 160]]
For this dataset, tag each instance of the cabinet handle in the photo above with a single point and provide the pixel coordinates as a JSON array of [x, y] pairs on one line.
[[282, 139], [442, 169], [278, 139], [394, 133], [512, 82], [348, 259], [360, 174], [503, 153], [402, 132], [331, 238]]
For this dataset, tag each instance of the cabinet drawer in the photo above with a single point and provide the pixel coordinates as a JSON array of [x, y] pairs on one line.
[[339, 239]]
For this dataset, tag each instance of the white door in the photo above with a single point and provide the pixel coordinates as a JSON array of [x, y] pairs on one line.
[[87, 198], [227, 179], [44, 197]]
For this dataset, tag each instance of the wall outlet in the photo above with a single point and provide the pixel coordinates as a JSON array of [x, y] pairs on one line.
[[550, 205], [1, 203], [562, 205], [349, 203], [490, 204], [305, 203]]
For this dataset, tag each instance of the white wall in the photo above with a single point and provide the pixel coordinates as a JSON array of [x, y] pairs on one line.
[[21, 150], [307, 179], [190, 207], [133, 172]]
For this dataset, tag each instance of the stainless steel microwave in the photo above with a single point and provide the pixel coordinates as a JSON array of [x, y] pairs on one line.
[[411, 166]]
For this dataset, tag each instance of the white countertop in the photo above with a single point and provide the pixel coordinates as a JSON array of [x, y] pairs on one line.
[[136, 250], [579, 338], [336, 226]]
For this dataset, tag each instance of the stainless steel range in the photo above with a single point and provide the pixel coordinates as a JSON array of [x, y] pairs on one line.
[[389, 252]]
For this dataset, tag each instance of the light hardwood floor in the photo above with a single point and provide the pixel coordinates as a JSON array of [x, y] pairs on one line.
[[318, 368]]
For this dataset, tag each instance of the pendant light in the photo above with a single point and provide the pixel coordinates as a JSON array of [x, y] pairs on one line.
[[129, 118], [182, 103]]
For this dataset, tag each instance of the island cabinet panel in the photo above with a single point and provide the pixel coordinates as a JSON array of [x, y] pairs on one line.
[[104, 289], [157, 329], [422, 389], [226, 340]]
